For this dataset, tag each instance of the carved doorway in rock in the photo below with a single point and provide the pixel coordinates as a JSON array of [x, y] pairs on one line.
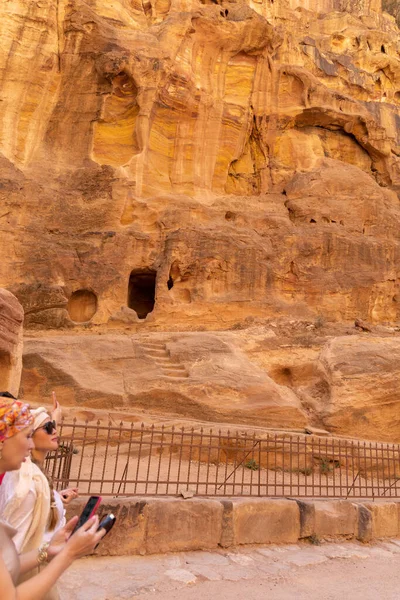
[[142, 291]]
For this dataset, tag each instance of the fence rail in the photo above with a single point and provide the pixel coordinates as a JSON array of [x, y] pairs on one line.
[[130, 460]]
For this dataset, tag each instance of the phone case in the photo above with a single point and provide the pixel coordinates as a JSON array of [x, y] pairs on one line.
[[84, 516]]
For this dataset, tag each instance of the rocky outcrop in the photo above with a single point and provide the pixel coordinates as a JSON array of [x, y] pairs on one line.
[[11, 319], [323, 384], [363, 378], [196, 376]]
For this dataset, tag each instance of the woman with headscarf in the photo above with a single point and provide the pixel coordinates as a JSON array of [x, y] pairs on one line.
[[16, 427], [28, 500]]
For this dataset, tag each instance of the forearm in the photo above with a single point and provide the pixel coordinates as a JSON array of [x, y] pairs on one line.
[[28, 561], [39, 585]]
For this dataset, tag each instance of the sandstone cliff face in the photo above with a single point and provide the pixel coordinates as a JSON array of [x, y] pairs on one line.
[[202, 165], [237, 159]]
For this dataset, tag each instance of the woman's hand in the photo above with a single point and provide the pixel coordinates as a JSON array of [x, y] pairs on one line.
[[68, 495], [60, 538], [85, 539], [56, 413]]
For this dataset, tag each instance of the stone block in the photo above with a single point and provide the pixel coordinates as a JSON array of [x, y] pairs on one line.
[[128, 534], [335, 518], [385, 519], [364, 524], [227, 534], [307, 518], [266, 521], [176, 525]]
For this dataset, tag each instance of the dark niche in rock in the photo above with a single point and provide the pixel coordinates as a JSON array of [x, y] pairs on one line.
[[141, 291]]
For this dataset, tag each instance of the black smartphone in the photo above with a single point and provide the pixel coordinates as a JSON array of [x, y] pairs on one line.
[[107, 523], [90, 509]]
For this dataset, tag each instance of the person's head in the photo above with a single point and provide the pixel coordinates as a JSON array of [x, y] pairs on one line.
[[45, 439], [45, 435], [16, 426]]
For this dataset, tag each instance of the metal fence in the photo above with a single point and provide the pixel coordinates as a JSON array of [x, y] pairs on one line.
[[121, 460]]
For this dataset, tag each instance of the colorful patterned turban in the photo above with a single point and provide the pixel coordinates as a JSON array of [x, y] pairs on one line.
[[14, 416]]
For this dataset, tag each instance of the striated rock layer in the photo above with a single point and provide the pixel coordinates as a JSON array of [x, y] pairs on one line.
[[184, 166]]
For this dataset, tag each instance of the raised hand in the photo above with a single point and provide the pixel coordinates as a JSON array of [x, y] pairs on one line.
[[56, 412], [68, 495]]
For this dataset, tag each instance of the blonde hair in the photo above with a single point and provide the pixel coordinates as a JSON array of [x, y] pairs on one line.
[[53, 515]]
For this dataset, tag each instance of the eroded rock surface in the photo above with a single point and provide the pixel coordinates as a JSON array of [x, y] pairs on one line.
[[11, 341], [295, 378], [175, 143], [198, 376]]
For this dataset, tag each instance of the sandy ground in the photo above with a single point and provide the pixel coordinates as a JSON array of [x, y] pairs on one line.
[[331, 571]]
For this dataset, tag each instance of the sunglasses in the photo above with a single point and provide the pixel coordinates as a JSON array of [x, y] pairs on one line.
[[49, 427]]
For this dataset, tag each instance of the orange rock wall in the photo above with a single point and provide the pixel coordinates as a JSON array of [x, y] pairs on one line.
[[245, 154]]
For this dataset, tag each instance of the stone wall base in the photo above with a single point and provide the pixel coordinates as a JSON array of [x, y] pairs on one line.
[[153, 525]]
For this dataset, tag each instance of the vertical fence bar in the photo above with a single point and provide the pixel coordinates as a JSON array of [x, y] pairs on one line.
[[298, 465], [377, 469], [171, 448], [218, 459], [227, 449], [208, 462], [117, 457], [365, 470], [347, 465], [252, 462], [372, 487], [306, 467], [340, 467], [160, 458], [125, 476], [384, 482], [178, 477], [235, 462], [190, 458], [139, 457], [199, 460], [105, 455], [82, 450], [243, 466], [389, 470], [146, 485]]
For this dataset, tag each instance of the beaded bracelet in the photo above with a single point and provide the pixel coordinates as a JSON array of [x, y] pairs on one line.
[[42, 556]]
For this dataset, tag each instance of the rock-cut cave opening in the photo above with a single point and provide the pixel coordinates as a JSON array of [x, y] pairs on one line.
[[142, 291]]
